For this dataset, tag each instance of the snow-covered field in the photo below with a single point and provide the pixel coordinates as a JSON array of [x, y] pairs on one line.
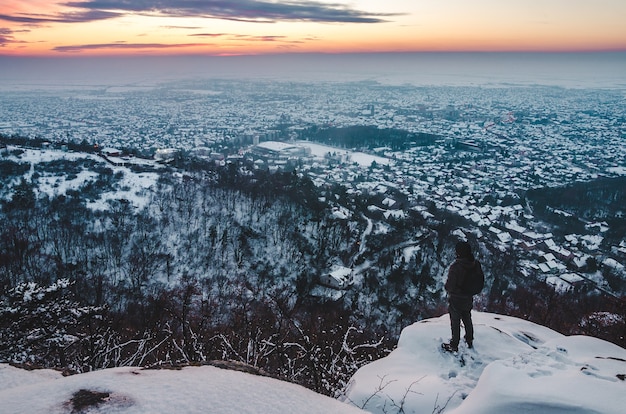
[[132, 186], [516, 367], [364, 160]]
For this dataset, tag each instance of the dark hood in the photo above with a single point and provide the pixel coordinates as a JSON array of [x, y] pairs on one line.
[[467, 263]]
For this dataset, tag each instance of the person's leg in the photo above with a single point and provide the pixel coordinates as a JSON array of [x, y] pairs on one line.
[[469, 327], [466, 316], [455, 324]]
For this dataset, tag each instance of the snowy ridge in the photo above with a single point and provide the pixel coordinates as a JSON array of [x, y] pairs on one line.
[[131, 390], [516, 366]]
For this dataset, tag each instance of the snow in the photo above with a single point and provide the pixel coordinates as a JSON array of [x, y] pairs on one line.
[[573, 374], [610, 262], [364, 160], [37, 155], [617, 170], [53, 186], [12, 377], [132, 187], [188, 390], [516, 367], [409, 252]]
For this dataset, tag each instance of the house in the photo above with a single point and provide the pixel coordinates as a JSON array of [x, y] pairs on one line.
[[566, 282], [544, 267], [558, 284], [562, 253], [549, 263], [339, 278], [165, 154], [573, 279], [389, 202], [111, 152], [504, 237], [528, 246]]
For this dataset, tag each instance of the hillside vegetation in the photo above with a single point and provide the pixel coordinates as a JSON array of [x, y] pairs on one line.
[[224, 263]]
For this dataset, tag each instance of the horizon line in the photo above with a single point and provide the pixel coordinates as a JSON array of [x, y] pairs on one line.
[[292, 53]]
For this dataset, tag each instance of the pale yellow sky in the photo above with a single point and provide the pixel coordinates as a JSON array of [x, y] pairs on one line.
[[105, 27]]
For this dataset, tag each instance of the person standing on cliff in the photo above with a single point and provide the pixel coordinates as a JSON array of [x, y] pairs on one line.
[[465, 279]]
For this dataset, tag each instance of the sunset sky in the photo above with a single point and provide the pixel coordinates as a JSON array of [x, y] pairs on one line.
[[218, 27]]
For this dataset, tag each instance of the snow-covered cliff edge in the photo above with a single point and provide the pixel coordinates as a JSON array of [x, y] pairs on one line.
[[516, 366]]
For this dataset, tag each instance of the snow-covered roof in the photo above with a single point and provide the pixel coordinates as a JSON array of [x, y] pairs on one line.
[[572, 278], [399, 214], [389, 202], [504, 237], [543, 267], [558, 284], [610, 262], [276, 146], [340, 273]]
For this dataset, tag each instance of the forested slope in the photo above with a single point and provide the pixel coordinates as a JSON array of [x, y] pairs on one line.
[[214, 262]]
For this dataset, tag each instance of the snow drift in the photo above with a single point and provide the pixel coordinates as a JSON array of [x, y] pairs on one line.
[[204, 389], [516, 366]]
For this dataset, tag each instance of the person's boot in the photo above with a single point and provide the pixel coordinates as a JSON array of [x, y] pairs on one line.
[[450, 347]]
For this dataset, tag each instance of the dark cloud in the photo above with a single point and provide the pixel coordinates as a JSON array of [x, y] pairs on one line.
[[182, 27], [77, 17], [123, 45], [249, 38], [209, 34], [5, 37], [243, 10], [265, 38]]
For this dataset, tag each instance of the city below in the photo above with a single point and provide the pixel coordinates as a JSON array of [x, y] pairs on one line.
[[474, 151]]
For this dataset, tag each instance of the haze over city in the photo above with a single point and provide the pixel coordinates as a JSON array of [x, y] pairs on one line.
[[450, 42]]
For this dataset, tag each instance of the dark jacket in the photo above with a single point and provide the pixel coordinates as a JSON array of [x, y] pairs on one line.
[[459, 270]]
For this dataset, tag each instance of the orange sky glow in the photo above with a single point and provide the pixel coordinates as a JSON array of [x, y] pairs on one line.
[[217, 27]]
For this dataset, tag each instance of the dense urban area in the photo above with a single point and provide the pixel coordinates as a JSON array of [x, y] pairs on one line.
[[338, 201], [473, 151]]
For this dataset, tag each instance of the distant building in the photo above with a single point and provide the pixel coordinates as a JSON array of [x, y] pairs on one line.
[[468, 144], [567, 282], [573, 279], [111, 152], [339, 278], [279, 150], [165, 154]]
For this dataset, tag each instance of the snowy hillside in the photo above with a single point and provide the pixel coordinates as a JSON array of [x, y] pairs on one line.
[[516, 366]]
